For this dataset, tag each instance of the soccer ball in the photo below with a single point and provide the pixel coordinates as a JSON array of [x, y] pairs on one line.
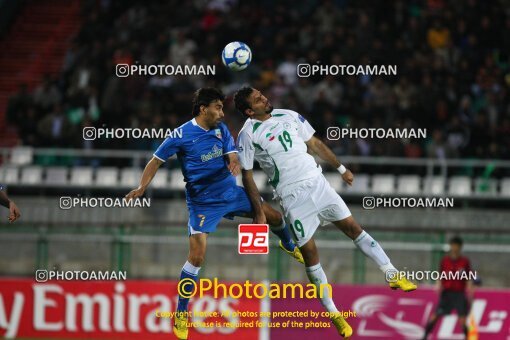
[[236, 56]]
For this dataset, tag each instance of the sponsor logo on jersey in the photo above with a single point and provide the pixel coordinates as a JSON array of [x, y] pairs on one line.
[[215, 153], [218, 133]]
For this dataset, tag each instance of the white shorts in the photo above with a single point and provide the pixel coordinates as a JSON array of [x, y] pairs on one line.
[[310, 203]]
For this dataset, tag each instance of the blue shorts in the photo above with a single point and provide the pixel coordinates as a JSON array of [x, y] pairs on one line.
[[205, 217]]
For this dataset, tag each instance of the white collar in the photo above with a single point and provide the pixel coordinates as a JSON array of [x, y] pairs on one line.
[[194, 122]]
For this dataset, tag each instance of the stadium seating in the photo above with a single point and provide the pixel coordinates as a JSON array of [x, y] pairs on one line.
[[409, 185], [383, 184], [130, 177], [81, 176], [107, 177], [31, 175], [459, 186], [505, 187], [360, 185], [377, 184], [56, 176], [160, 180], [176, 180], [434, 185]]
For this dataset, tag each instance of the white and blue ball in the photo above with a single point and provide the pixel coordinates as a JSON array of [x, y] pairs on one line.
[[236, 56]]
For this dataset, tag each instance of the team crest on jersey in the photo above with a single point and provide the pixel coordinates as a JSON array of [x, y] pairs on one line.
[[268, 135], [286, 125], [218, 133]]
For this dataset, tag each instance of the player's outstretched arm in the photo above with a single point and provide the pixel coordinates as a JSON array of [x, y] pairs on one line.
[[148, 174], [254, 195], [233, 164], [14, 212], [325, 153]]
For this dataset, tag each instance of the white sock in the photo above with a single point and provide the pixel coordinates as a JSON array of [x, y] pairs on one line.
[[191, 269], [372, 249], [317, 276]]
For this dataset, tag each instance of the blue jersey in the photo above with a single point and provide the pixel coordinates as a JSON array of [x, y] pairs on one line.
[[200, 153]]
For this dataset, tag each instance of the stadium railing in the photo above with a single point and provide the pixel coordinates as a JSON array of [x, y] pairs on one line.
[[78, 168]]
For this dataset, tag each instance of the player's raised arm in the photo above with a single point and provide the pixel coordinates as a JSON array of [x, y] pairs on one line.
[[325, 153], [168, 148], [246, 156], [148, 174], [229, 149], [254, 195]]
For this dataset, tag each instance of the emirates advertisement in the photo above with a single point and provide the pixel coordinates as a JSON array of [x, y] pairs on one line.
[[143, 310]]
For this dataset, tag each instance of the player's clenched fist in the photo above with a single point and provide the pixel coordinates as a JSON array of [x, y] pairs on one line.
[[348, 177], [14, 213], [138, 192]]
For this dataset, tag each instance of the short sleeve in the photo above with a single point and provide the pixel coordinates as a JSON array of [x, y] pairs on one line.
[[228, 141], [305, 130], [168, 148], [246, 150]]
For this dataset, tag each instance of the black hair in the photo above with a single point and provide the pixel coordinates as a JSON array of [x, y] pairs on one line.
[[241, 99], [205, 96], [456, 240]]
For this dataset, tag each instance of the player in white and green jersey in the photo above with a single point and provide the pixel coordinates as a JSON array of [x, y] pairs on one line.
[[279, 140]]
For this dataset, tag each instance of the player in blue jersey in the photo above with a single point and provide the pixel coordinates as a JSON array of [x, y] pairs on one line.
[[14, 213], [208, 158]]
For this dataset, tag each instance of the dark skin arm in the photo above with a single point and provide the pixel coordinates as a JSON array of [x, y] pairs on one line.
[[14, 212], [325, 153], [148, 174], [254, 195]]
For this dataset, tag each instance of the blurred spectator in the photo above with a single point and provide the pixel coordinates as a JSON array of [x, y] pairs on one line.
[[439, 149], [55, 129], [46, 95], [453, 71]]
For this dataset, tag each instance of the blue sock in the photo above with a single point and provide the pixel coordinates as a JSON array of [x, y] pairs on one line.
[[189, 271], [283, 233]]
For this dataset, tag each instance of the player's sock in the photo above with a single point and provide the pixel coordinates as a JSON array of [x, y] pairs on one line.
[[428, 329], [282, 231], [372, 249], [317, 276], [189, 271], [466, 331]]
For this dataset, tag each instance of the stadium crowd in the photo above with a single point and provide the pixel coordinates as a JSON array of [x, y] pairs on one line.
[[453, 71]]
